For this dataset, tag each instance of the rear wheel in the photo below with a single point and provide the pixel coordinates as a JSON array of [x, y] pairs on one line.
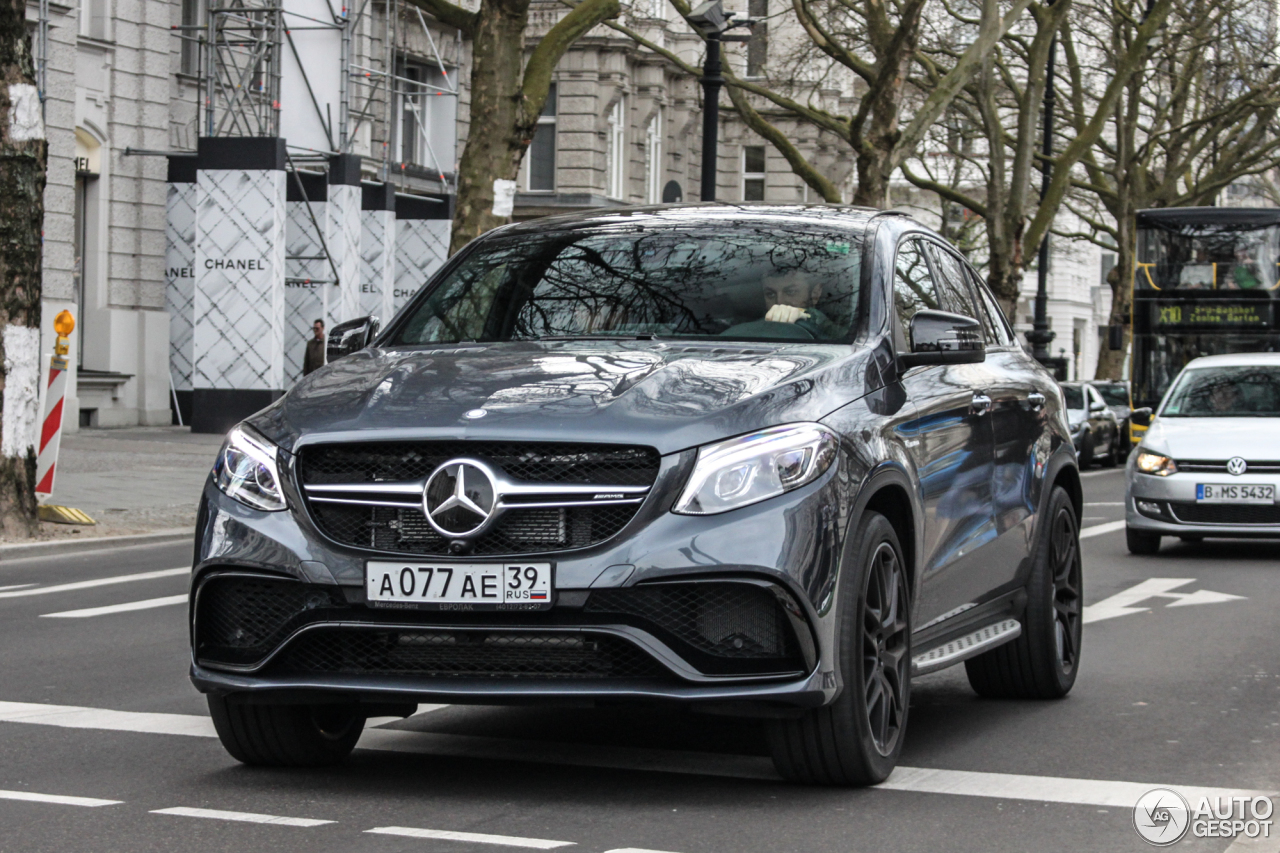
[[857, 739], [1042, 662], [1141, 542], [286, 735]]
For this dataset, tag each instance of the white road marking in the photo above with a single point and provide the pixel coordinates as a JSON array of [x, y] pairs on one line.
[[68, 587], [1259, 844], [1099, 529], [17, 586], [57, 799], [1122, 603], [635, 850], [921, 780], [118, 608], [1102, 473], [476, 837], [1105, 503], [72, 717], [244, 817]]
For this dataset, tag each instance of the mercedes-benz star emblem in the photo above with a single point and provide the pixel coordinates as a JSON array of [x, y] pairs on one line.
[[1237, 466], [459, 498]]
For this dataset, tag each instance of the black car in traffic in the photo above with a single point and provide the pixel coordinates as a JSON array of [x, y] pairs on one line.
[[764, 460]]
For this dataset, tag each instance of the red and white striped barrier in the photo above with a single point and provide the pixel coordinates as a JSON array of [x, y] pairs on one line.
[[55, 396]]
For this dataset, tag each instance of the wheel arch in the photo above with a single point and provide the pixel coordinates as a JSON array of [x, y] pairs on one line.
[[889, 493]]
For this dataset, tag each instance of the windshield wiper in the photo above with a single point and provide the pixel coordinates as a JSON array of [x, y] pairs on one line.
[[646, 336]]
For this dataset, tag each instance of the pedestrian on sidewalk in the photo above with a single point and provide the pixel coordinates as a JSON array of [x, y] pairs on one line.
[[314, 359]]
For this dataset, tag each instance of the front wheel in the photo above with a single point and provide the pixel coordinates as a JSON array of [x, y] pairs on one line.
[[1042, 662], [856, 740], [1141, 542], [286, 735]]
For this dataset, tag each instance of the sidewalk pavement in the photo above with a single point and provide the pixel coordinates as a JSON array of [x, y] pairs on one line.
[[131, 480]]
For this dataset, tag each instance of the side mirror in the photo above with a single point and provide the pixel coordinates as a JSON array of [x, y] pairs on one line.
[[1098, 407], [351, 336], [1141, 417], [940, 337]]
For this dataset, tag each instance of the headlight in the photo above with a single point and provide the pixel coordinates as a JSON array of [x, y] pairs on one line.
[[751, 468], [246, 470], [1153, 463]]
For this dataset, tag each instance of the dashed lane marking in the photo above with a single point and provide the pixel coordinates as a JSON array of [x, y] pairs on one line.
[[57, 799], [69, 587], [474, 837], [127, 607], [1054, 789], [243, 817], [1099, 529], [16, 586]]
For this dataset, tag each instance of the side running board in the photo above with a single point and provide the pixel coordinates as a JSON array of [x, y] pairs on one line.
[[964, 647]]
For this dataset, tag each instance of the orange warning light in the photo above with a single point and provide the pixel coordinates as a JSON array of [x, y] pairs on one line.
[[64, 324]]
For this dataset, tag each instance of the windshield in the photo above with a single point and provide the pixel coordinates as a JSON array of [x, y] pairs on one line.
[[742, 281], [1114, 395], [1074, 396], [1225, 392]]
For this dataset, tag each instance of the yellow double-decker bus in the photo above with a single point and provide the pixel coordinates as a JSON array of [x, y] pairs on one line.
[[1205, 283]]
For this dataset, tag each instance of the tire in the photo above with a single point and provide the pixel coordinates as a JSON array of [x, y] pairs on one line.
[[854, 741], [1043, 661], [1113, 457], [1086, 451], [1141, 542], [286, 735]]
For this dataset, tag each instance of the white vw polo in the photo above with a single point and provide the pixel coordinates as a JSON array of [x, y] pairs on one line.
[[1210, 463]]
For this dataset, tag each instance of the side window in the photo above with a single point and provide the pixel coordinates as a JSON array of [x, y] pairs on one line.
[[1004, 334], [951, 272], [915, 288]]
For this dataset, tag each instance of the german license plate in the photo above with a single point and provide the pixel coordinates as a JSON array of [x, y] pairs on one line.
[[1221, 493], [459, 586]]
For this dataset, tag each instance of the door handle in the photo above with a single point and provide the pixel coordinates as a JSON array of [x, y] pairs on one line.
[[981, 404], [1035, 401]]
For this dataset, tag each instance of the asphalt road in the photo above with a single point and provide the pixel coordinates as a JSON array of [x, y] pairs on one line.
[[105, 746]]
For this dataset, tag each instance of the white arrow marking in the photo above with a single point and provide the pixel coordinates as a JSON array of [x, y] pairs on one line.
[[1122, 603]]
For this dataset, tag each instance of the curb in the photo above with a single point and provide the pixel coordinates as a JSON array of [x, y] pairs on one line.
[[25, 550]]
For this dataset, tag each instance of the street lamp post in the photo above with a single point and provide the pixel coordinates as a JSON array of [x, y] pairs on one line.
[[1040, 335], [714, 24]]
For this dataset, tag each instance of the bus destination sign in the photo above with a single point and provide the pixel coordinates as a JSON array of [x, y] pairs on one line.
[[1212, 314]]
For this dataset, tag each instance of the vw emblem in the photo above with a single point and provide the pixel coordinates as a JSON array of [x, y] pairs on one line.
[[474, 414], [459, 498], [1237, 466]]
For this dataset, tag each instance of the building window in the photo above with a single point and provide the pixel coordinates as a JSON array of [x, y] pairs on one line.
[[93, 18], [753, 173], [758, 46], [193, 15], [541, 174], [616, 151], [653, 159], [428, 114]]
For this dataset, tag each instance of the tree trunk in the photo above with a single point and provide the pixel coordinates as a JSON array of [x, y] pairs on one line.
[[1111, 362], [873, 177], [497, 101], [23, 155]]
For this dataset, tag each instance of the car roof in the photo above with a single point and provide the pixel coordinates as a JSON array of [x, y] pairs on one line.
[[1243, 359], [702, 213]]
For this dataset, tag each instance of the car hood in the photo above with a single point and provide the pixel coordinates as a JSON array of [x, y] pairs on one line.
[[1214, 438], [667, 395]]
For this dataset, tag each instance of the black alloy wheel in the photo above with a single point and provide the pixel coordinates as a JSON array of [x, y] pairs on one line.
[[1043, 661], [857, 738], [885, 667]]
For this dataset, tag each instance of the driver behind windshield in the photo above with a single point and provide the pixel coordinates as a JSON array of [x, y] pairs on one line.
[[792, 297]]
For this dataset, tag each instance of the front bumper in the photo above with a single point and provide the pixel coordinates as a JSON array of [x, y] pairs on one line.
[[789, 545], [1167, 505]]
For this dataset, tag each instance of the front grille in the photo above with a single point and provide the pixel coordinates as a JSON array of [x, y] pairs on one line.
[[467, 654], [397, 524], [596, 464], [239, 620], [1194, 513], [721, 627], [1212, 466], [528, 531]]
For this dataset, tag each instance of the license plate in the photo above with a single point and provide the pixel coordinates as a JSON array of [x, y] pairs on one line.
[[460, 586], [1221, 493]]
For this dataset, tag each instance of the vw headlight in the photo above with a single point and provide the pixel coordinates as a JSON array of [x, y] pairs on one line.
[[1153, 463], [246, 470], [752, 468]]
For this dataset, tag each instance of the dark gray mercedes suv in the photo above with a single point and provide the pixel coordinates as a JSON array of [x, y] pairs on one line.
[[767, 460]]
